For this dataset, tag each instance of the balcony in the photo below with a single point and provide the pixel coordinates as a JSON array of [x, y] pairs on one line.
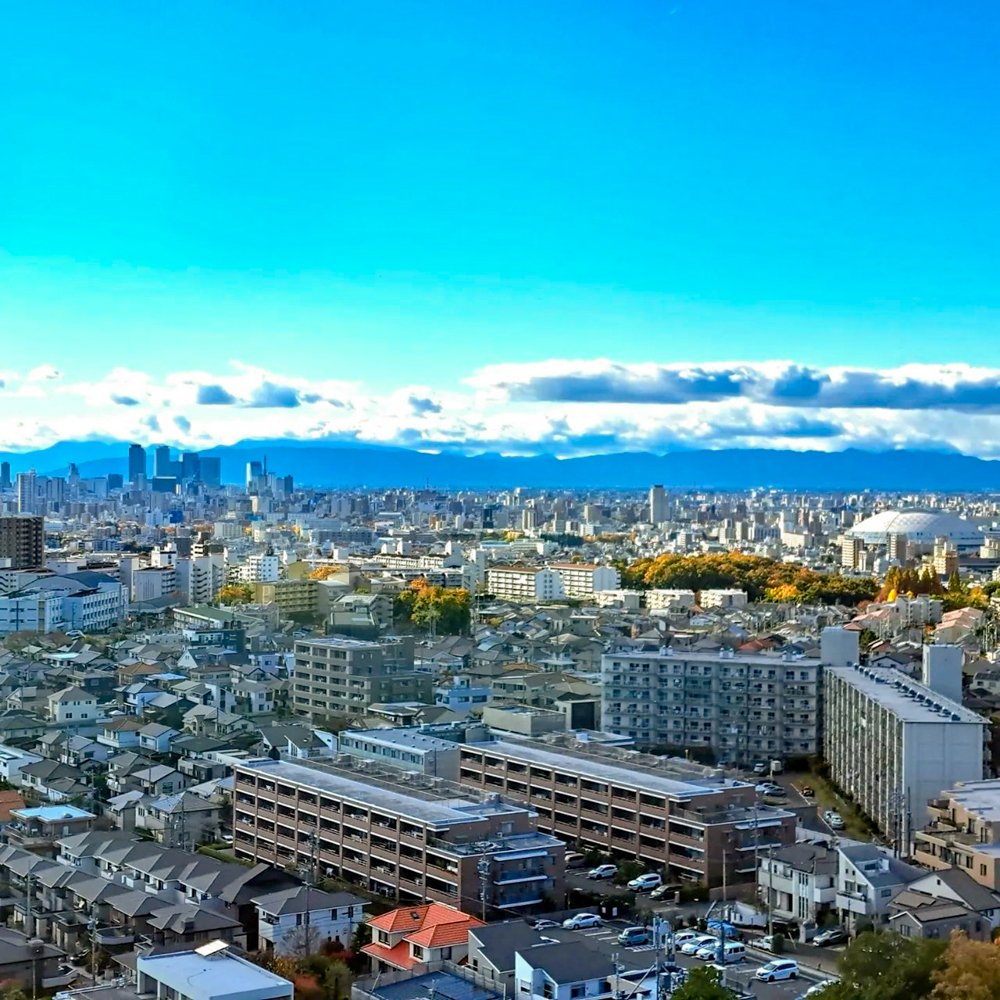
[[526, 875], [112, 936]]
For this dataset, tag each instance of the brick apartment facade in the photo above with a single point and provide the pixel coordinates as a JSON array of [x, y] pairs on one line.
[[682, 824], [408, 837]]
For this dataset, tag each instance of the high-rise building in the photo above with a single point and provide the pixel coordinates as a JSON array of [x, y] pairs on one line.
[[27, 492], [136, 463], [657, 504], [190, 465], [22, 541], [209, 470], [4, 475]]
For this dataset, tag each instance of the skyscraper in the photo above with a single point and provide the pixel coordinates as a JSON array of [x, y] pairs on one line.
[[161, 461], [4, 475], [254, 471], [27, 492], [209, 468], [136, 462], [189, 465], [657, 504]]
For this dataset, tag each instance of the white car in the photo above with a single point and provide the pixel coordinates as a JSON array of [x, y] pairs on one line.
[[833, 819], [780, 968], [695, 945], [650, 880], [817, 988], [708, 952], [682, 937], [582, 920], [603, 871]]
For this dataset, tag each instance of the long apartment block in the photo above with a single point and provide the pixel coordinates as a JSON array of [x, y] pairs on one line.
[[681, 819], [410, 837], [742, 707]]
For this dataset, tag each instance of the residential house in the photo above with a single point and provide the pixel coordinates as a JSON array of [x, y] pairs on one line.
[[798, 882], [569, 972], [180, 820], [218, 976], [867, 880], [120, 732], [71, 704], [492, 950], [921, 915], [154, 738], [57, 782], [412, 937], [295, 920]]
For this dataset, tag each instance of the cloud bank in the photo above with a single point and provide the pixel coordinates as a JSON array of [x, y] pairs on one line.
[[559, 407]]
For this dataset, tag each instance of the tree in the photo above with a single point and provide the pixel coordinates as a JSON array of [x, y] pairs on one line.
[[235, 593], [337, 980], [887, 967], [702, 984], [971, 971]]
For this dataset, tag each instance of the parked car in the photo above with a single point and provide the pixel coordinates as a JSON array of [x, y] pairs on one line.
[[682, 937], [769, 788], [835, 935], [582, 920], [632, 937], [833, 819], [760, 767], [574, 860], [766, 943], [662, 890], [695, 945], [546, 925], [807, 791], [603, 871], [709, 951], [651, 880], [816, 989], [780, 968]]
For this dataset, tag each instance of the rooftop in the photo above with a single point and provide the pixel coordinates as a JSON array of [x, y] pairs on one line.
[[905, 698], [219, 976]]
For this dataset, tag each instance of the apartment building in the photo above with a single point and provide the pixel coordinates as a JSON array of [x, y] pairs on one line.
[[342, 676], [585, 579], [407, 836], [673, 816], [22, 541], [742, 707], [964, 832], [893, 744], [293, 597], [524, 583], [660, 599]]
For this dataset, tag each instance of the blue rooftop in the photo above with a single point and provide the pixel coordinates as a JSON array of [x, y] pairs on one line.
[[434, 984], [52, 814]]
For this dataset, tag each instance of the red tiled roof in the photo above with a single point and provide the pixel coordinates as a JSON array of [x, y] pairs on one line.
[[399, 956], [430, 925]]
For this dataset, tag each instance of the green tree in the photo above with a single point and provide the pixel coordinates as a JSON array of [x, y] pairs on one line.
[[883, 966], [702, 984], [337, 980]]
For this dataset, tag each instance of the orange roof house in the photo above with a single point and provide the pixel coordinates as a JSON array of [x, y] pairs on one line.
[[413, 936]]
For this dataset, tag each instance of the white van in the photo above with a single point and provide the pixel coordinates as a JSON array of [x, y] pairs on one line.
[[735, 952]]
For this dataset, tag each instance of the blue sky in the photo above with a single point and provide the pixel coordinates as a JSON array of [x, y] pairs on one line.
[[396, 196]]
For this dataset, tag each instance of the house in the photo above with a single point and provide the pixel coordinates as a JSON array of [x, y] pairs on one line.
[[55, 781], [413, 936], [492, 949], [12, 759], [159, 779], [798, 882], [120, 732], [37, 829], [569, 972], [294, 920], [867, 880], [155, 738], [83, 752], [207, 974], [180, 820], [957, 886], [71, 704], [921, 915]]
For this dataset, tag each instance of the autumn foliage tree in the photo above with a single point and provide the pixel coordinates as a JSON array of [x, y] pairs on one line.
[[235, 593], [971, 971], [444, 609]]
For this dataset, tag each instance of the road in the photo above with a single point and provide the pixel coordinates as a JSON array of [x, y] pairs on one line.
[[605, 940]]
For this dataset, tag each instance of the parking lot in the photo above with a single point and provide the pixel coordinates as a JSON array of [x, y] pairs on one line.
[[605, 939]]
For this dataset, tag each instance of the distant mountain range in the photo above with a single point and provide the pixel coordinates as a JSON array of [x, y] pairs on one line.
[[339, 464]]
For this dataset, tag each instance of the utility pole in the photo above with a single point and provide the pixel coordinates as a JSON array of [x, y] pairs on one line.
[[770, 888]]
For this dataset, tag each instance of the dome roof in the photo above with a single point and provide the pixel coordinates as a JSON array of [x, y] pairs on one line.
[[920, 526]]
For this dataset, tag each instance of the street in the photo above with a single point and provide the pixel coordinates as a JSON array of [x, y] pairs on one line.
[[605, 939]]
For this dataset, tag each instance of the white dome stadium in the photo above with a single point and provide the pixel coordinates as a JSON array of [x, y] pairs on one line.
[[919, 526]]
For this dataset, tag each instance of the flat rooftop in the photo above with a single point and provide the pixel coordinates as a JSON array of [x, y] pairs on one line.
[[52, 814], [378, 790], [725, 655], [340, 642], [400, 738], [607, 771], [213, 976], [905, 698], [980, 797]]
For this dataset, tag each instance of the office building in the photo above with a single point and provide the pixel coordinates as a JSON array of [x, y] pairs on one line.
[[190, 466], [657, 505], [740, 707], [254, 473], [137, 464], [28, 501], [668, 814], [892, 744], [5, 475], [22, 541], [210, 470], [342, 676], [406, 836]]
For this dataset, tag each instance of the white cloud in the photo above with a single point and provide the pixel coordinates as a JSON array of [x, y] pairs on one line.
[[560, 407]]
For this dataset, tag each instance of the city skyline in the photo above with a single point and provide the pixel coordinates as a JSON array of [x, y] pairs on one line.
[[449, 229]]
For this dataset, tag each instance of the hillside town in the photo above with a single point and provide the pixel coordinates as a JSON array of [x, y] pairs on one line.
[[423, 733]]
